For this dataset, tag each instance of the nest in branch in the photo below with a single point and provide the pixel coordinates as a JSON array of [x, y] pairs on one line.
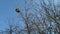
[[17, 10]]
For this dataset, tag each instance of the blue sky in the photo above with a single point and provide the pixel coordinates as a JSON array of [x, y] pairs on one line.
[[7, 11]]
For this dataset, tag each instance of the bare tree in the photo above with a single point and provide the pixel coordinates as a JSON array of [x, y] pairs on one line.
[[39, 17], [44, 17]]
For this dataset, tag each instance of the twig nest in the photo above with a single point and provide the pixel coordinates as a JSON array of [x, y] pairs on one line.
[[17, 10]]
